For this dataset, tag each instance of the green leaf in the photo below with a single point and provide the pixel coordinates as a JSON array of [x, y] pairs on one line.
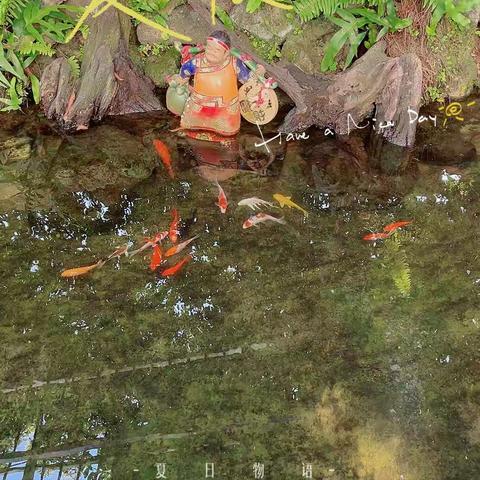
[[3, 80], [5, 64], [225, 18], [370, 15], [12, 57], [335, 44], [253, 5], [35, 83], [354, 48], [436, 17]]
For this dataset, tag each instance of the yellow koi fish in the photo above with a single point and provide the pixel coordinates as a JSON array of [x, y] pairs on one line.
[[283, 200]]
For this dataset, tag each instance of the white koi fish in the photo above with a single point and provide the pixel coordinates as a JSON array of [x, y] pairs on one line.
[[254, 202], [261, 217]]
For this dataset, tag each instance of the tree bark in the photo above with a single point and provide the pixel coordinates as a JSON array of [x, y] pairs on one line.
[[109, 83], [375, 84]]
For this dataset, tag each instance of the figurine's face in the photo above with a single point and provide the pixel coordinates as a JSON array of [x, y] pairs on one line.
[[215, 54]]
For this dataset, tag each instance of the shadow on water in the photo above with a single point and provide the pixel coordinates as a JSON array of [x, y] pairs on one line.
[[297, 350]]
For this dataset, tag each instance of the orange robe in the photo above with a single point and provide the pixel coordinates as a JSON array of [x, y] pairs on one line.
[[213, 103]]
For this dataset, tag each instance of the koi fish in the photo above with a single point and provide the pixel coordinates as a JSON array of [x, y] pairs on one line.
[[173, 270], [254, 203], [376, 236], [173, 232], [178, 248], [156, 257], [75, 272], [164, 154], [393, 226], [119, 252], [283, 200], [150, 242], [261, 217], [222, 199]]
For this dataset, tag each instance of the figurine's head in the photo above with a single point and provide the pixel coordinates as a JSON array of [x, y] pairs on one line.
[[217, 48]]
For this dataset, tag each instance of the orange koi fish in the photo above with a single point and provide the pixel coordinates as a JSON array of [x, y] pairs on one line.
[[261, 217], [156, 257], [393, 226], [222, 199], [173, 232], [178, 248], [75, 272], [376, 236], [173, 270], [150, 242], [164, 154]]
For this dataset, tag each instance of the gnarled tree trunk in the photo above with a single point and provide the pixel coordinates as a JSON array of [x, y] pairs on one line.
[[109, 83]]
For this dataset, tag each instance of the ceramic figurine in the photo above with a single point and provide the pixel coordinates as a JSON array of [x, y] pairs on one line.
[[213, 104]]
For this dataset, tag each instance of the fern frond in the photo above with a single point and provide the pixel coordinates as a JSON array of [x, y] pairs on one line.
[[10, 10], [74, 66], [85, 31], [402, 279], [310, 9], [35, 48]]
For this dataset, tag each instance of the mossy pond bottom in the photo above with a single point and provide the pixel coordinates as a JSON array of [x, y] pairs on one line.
[[279, 352]]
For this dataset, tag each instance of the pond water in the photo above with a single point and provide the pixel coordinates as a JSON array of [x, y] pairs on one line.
[[283, 351]]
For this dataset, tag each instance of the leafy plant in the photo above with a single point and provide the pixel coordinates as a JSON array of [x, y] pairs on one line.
[[74, 66], [149, 6], [155, 49], [15, 94], [269, 51], [152, 9], [9, 10], [29, 30], [310, 9], [454, 11], [354, 25], [434, 94]]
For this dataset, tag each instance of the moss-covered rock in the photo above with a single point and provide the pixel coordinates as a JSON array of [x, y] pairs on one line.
[[456, 68], [268, 23], [147, 35], [305, 48], [181, 20], [165, 63], [15, 149]]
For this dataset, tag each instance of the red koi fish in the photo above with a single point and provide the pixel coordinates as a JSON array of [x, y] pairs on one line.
[[376, 236], [175, 269], [222, 199], [164, 154], [156, 257], [393, 226], [173, 232], [178, 248]]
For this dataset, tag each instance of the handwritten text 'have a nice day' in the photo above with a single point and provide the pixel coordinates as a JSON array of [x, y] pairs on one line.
[[412, 114]]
